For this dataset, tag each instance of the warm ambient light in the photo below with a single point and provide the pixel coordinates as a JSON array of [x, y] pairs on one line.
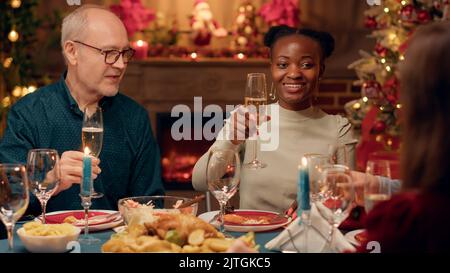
[[365, 99], [194, 55]]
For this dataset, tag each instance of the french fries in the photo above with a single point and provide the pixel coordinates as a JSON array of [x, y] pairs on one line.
[[136, 239]]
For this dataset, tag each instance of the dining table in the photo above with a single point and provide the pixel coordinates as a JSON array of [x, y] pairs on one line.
[[261, 239]]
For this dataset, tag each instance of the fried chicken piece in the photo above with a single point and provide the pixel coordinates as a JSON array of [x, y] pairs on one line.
[[184, 224]]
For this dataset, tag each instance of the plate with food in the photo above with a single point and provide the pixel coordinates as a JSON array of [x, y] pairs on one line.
[[356, 237], [98, 219], [247, 220]]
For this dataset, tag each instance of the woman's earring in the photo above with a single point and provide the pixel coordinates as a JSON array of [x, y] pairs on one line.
[[273, 91]]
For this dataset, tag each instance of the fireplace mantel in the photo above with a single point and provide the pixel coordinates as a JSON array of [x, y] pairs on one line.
[[161, 83]]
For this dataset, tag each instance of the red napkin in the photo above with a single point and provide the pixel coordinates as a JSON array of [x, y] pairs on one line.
[[355, 220]]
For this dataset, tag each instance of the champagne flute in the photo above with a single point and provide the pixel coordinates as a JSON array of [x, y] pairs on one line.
[[92, 135], [338, 194], [374, 192], [223, 176], [255, 100], [14, 196], [43, 175]]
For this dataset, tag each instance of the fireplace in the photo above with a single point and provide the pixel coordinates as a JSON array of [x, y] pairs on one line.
[[178, 157]]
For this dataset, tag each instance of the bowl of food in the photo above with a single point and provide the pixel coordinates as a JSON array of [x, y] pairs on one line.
[[145, 208], [48, 238]]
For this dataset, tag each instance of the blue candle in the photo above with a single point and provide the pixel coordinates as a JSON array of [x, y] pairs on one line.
[[303, 188], [86, 180]]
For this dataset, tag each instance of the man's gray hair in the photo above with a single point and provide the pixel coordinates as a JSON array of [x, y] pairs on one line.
[[75, 23]]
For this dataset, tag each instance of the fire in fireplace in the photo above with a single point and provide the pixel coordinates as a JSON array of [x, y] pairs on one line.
[[178, 157]]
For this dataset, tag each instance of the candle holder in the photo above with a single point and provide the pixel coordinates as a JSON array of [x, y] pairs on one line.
[[86, 190]]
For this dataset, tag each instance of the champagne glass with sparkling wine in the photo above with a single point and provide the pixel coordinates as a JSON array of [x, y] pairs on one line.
[[92, 135], [255, 100]]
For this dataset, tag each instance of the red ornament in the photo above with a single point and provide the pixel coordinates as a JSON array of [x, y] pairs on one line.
[[379, 127], [408, 14], [371, 89], [423, 16], [370, 22], [381, 50]]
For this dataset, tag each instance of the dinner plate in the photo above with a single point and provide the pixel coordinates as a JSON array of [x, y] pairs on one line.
[[57, 217], [208, 216], [350, 236]]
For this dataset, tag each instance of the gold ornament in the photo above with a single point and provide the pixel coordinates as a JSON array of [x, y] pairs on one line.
[[13, 35], [6, 101], [17, 91], [7, 63], [16, 4]]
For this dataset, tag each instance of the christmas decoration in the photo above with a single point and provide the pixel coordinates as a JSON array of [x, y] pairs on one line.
[[163, 30], [281, 12], [395, 22], [133, 14], [245, 30], [203, 24], [18, 33]]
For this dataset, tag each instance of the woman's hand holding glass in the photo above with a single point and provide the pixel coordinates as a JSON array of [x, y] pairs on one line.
[[243, 124], [43, 174], [375, 193]]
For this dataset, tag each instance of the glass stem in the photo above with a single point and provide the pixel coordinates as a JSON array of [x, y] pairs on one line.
[[221, 216], [255, 147], [86, 224], [9, 229], [44, 208]]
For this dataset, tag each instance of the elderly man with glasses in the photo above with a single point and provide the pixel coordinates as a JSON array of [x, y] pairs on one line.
[[96, 51]]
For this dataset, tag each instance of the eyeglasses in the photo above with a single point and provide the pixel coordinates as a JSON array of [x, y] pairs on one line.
[[111, 56]]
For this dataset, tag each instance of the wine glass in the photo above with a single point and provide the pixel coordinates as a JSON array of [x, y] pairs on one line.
[[223, 176], [43, 175], [375, 192], [14, 196], [92, 134], [316, 162], [337, 193], [255, 100]]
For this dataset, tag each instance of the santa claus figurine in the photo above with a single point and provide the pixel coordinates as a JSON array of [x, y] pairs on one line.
[[203, 25]]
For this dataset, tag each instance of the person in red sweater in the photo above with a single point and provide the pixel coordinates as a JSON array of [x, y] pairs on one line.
[[418, 218]]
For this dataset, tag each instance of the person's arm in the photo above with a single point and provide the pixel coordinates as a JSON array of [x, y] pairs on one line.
[[146, 166], [347, 141], [17, 140], [396, 184]]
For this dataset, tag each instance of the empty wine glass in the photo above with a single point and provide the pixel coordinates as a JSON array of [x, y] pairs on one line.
[[375, 192], [316, 162], [43, 174], [223, 176], [14, 196], [337, 193], [92, 134], [255, 100]]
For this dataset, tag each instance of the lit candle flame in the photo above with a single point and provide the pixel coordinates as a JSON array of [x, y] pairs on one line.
[[304, 162], [87, 151], [140, 43]]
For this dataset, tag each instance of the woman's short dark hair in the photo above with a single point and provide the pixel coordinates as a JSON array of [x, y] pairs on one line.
[[325, 40], [425, 94]]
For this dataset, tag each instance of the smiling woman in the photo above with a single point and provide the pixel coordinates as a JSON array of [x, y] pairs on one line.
[[297, 64]]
